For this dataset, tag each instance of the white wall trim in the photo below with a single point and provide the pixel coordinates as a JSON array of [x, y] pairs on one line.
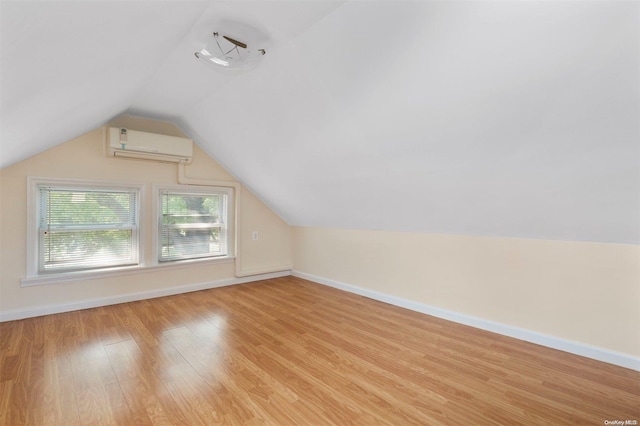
[[582, 349], [68, 277], [131, 297]]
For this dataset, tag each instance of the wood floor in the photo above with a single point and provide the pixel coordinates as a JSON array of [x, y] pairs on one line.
[[290, 352]]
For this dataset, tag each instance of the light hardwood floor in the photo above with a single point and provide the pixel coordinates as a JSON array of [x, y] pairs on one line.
[[290, 352]]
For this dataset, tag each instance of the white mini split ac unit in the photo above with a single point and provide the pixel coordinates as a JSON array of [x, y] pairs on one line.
[[148, 146]]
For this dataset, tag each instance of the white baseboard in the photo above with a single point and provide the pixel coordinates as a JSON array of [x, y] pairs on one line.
[[600, 354], [131, 297]]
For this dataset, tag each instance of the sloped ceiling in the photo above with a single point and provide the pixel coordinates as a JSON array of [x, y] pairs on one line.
[[516, 119]]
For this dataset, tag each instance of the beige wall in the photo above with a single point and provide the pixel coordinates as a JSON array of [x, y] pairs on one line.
[[582, 292], [84, 158]]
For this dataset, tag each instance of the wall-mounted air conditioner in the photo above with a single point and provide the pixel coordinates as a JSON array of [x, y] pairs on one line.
[[148, 146]]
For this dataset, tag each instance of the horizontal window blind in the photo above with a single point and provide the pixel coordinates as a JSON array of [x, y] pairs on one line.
[[86, 228], [192, 225]]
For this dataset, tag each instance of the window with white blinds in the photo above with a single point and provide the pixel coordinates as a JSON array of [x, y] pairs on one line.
[[81, 228], [192, 224]]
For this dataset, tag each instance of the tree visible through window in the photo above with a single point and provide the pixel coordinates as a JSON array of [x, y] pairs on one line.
[[192, 225], [86, 228]]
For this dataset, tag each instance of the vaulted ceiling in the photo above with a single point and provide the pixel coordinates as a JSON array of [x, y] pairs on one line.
[[516, 119]]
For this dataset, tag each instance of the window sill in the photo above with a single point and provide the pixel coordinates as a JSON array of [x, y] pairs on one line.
[[116, 272]]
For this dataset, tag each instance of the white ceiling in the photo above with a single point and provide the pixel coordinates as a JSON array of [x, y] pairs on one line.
[[502, 118]]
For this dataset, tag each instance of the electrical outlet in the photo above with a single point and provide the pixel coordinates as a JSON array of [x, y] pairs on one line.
[[254, 235]]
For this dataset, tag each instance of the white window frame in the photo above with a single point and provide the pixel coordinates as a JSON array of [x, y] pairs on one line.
[[194, 189], [33, 206]]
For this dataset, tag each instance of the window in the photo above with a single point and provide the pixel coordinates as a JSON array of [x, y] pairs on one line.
[[193, 223], [85, 227]]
